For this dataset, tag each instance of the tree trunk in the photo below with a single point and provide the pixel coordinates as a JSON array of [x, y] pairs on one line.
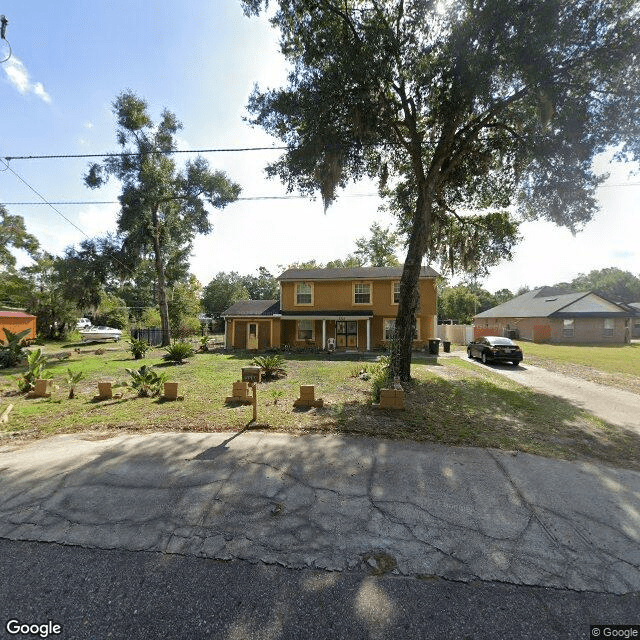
[[162, 285], [409, 290]]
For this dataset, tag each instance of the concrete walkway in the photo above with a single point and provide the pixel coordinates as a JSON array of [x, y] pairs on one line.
[[331, 503]]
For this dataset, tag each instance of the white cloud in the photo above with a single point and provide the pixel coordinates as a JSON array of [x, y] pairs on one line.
[[96, 220], [19, 78]]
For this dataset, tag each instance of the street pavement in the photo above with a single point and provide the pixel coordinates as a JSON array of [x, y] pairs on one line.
[[95, 594], [331, 503]]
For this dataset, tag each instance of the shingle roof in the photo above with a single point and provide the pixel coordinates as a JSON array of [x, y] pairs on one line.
[[539, 303], [253, 308], [15, 314], [352, 273]]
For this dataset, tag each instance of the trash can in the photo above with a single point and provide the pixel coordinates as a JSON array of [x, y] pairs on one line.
[[434, 346], [446, 345]]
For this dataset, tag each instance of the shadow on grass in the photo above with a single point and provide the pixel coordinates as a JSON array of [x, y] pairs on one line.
[[473, 412]]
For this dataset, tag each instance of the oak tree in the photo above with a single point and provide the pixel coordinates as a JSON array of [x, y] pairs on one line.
[[472, 114]]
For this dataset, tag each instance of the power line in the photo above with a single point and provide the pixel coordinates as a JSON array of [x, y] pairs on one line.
[[45, 201], [136, 153], [248, 198]]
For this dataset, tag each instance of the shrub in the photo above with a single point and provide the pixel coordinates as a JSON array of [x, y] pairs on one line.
[[178, 352], [138, 348], [381, 376], [36, 364], [146, 381], [72, 381], [188, 326], [272, 365], [13, 352]]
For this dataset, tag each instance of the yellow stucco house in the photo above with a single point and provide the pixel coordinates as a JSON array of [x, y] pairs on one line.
[[354, 309]]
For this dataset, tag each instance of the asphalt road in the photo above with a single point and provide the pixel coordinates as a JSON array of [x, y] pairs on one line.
[[332, 503], [95, 594]]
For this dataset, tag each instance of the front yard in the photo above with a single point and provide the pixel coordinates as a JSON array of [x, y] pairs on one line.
[[616, 365], [449, 402]]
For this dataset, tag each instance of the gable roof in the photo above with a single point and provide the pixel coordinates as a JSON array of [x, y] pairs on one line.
[[352, 273], [547, 301], [253, 308]]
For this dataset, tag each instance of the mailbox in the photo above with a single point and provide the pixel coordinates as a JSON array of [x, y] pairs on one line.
[[251, 374]]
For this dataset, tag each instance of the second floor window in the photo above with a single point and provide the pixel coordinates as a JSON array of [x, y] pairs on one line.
[[396, 293], [304, 293], [362, 293]]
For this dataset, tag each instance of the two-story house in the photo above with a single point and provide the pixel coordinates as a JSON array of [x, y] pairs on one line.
[[355, 308]]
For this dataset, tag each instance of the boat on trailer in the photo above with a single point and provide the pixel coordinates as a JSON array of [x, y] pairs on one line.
[[100, 333]]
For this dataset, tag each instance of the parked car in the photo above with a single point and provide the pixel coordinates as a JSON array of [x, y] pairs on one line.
[[495, 348], [83, 323]]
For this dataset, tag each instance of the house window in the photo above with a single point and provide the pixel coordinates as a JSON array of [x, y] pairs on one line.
[[362, 293], [305, 330], [395, 293], [567, 329], [608, 328], [304, 293], [389, 329]]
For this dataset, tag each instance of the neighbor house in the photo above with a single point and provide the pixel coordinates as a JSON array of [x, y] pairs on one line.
[[553, 315], [634, 307], [353, 309], [16, 321]]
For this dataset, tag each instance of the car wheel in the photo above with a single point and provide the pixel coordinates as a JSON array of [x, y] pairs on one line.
[[483, 357], [469, 353], [515, 363]]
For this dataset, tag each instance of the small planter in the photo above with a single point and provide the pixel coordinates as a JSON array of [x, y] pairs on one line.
[[43, 388], [170, 390], [105, 392]]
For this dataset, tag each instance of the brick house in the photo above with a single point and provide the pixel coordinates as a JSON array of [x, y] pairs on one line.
[[552, 315], [355, 308]]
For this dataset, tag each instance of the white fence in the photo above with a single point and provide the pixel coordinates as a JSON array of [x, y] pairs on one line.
[[457, 333]]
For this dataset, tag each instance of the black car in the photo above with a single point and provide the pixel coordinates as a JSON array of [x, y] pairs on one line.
[[495, 348]]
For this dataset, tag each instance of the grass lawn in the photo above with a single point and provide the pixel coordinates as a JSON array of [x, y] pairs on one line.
[[614, 358], [449, 402]]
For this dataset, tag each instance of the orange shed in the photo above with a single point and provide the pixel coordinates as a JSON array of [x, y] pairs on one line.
[[17, 321]]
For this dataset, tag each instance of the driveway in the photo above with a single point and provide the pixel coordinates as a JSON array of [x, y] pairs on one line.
[[333, 503], [618, 407]]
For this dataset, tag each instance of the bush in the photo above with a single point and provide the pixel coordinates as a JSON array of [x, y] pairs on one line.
[[13, 352], [178, 352], [271, 365], [380, 376], [187, 327], [146, 381], [138, 348], [72, 381], [36, 364]]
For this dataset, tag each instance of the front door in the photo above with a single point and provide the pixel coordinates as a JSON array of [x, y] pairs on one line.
[[346, 334], [252, 335]]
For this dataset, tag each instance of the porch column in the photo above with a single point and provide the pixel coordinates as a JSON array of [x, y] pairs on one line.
[[368, 334], [226, 346], [324, 334]]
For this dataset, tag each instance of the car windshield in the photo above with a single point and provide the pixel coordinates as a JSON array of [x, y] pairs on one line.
[[500, 341]]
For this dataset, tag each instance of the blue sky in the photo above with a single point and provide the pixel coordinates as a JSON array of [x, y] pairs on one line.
[[200, 60]]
